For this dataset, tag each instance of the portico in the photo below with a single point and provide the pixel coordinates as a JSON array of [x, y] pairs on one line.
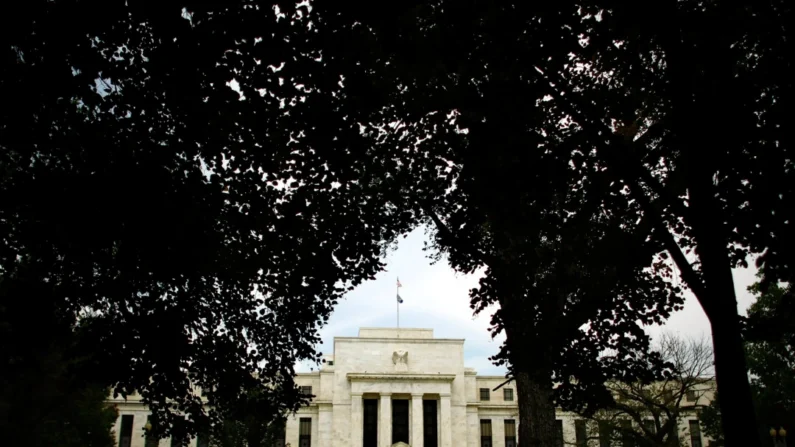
[[414, 388]]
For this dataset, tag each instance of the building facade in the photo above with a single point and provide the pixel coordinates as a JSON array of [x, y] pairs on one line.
[[388, 386]]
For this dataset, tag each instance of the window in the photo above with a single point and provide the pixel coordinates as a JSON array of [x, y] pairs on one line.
[[306, 390], [125, 433], [305, 432], [151, 439], [485, 432], [695, 433], [203, 439], [627, 434], [484, 394], [673, 432], [558, 433], [507, 394], [605, 433], [510, 433], [175, 442], [400, 421], [690, 396], [370, 423], [580, 432], [667, 396], [280, 436], [429, 432]]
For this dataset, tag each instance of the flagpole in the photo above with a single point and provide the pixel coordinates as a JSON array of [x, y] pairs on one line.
[[397, 301]]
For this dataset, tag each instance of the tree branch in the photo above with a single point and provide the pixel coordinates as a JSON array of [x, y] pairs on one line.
[[686, 269], [452, 240]]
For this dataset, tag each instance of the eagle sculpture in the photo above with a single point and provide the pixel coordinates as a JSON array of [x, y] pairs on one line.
[[401, 360]]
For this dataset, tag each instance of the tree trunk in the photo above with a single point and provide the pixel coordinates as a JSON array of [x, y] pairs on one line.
[[719, 301], [737, 410], [536, 411]]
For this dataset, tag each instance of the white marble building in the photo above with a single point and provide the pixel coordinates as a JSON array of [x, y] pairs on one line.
[[392, 385]]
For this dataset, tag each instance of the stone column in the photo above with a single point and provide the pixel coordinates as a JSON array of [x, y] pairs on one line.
[[416, 420], [497, 432], [357, 420], [324, 425], [446, 425], [385, 421]]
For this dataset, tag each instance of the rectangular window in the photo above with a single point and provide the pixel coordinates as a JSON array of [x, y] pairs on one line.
[[125, 433], [605, 433], [306, 390], [400, 421], [581, 432], [280, 437], [695, 433], [690, 396], [370, 423], [176, 442], [430, 431], [151, 439], [485, 432], [627, 434], [484, 394], [203, 440], [305, 432], [510, 433], [673, 432], [558, 433], [508, 394], [648, 424]]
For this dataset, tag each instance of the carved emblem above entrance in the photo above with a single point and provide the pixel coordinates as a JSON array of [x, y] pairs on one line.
[[401, 360]]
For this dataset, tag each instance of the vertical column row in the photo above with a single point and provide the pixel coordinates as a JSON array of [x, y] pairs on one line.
[[416, 420], [324, 425], [385, 421], [446, 421], [357, 419]]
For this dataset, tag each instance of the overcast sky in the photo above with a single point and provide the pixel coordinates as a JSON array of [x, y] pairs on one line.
[[436, 297]]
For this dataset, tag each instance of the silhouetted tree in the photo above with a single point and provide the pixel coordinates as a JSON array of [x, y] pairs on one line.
[[770, 347], [528, 124], [245, 426], [209, 235], [574, 152], [49, 392], [650, 414]]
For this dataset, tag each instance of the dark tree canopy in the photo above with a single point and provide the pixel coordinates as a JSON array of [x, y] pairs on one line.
[[208, 236], [578, 152], [532, 129], [49, 392]]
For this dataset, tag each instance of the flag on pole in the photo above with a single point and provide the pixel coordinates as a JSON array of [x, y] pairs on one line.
[[399, 299]]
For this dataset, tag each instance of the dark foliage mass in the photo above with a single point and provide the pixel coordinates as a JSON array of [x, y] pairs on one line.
[[50, 393], [591, 158], [770, 348], [207, 235], [578, 152]]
